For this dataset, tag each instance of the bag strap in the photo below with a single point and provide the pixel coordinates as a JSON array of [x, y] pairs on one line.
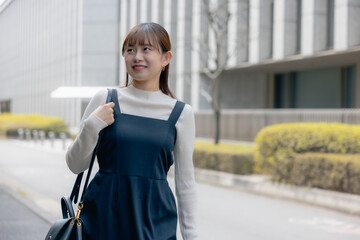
[[67, 208], [75, 192]]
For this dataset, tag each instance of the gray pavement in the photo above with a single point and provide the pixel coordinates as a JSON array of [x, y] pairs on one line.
[[36, 176], [18, 218]]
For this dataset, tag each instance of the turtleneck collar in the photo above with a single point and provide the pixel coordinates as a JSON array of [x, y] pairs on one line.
[[144, 93]]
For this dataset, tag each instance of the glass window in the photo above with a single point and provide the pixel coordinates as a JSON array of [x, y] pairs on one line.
[[330, 24], [298, 25], [279, 91], [348, 87], [271, 27], [5, 106], [317, 88], [320, 88]]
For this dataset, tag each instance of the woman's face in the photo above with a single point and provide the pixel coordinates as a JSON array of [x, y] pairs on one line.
[[145, 62]]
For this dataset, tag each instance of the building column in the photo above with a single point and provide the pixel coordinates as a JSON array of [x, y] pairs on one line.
[[167, 16], [143, 10], [260, 30], [155, 11], [180, 50], [314, 26], [279, 29], [341, 19], [307, 27], [231, 38], [254, 31], [284, 28], [195, 72]]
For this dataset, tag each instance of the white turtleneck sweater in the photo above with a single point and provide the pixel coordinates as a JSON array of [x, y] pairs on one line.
[[153, 104]]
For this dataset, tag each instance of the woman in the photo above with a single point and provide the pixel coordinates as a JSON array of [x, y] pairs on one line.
[[146, 130]]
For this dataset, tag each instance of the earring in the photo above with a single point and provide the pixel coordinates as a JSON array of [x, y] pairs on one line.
[[163, 69]]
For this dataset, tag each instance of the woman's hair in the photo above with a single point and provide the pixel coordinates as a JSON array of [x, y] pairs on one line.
[[157, 37]]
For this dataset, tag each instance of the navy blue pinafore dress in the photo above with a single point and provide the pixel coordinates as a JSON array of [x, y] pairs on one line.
[[129, 198]]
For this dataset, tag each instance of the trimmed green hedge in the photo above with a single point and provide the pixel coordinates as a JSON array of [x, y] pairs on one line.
[[9, 123], [276, 142], [235, 159], [339, 172], [323, 155]]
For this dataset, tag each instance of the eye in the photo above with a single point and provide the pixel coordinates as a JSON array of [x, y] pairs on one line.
[[130, 50], [147, 49]]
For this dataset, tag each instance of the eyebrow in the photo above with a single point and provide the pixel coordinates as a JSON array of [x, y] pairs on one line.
[[145, 44]]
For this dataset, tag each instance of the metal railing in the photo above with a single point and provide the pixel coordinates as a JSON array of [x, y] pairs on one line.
[[243, 125]]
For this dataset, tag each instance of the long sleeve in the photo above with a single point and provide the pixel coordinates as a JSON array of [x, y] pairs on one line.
[[79, 154], [184, 174]]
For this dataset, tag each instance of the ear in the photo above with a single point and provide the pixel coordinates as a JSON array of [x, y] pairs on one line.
[[166, 58]]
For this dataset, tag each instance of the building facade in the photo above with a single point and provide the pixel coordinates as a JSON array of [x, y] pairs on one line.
[[282, 54], [40, 50]]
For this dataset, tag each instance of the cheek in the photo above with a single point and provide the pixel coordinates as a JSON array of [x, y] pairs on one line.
[[156, 60], [128, 62]]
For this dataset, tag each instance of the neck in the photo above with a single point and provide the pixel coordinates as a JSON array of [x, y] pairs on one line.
[[146, 85]]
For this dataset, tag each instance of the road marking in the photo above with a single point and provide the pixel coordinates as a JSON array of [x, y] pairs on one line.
[[328, 224]]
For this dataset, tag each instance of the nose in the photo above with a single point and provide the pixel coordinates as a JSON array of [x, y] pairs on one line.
[[138, 56]]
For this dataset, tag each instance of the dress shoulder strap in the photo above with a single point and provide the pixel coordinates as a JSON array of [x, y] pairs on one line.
[[176, 112], [115, 99]]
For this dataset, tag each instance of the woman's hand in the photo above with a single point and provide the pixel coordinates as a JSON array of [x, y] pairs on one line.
[[106, 113]]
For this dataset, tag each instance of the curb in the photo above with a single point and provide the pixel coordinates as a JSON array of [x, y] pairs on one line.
[[28, 204], [39, 204], [342, 202]]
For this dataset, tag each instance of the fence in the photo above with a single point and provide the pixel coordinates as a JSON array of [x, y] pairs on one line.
[[245, 124]]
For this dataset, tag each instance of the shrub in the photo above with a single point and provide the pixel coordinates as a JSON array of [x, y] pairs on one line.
[[235, 159], [339, 172], [9, 123], [278, 143]]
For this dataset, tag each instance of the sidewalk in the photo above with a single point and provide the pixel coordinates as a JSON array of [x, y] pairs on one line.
[[343, 202], [18, 220]]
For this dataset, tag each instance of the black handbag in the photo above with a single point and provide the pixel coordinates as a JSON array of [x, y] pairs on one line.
[[71, 225]]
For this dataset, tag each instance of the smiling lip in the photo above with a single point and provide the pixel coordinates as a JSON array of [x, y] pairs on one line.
[[138, 67]]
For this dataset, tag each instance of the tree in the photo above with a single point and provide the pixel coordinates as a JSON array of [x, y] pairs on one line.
[[217, 15]]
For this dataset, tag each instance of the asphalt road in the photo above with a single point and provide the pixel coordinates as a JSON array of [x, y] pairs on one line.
[[41, 176], [17, 222]]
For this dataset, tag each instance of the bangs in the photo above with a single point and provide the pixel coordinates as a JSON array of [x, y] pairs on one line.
[[141, 35]]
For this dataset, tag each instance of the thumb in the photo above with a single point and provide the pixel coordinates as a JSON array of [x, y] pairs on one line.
[[111, 104]]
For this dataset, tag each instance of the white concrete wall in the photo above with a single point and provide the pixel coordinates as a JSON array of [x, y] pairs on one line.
[[353, 23], [39, 52], [320, 25], [242, 38], [100, 43]]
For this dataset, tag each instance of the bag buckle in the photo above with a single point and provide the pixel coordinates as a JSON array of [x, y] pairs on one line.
[[80, 206]]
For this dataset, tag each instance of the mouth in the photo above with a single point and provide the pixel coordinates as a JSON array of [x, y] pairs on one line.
[[138, 67]]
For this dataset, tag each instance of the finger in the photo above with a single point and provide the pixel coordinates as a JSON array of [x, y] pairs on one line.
[[111, 104]]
